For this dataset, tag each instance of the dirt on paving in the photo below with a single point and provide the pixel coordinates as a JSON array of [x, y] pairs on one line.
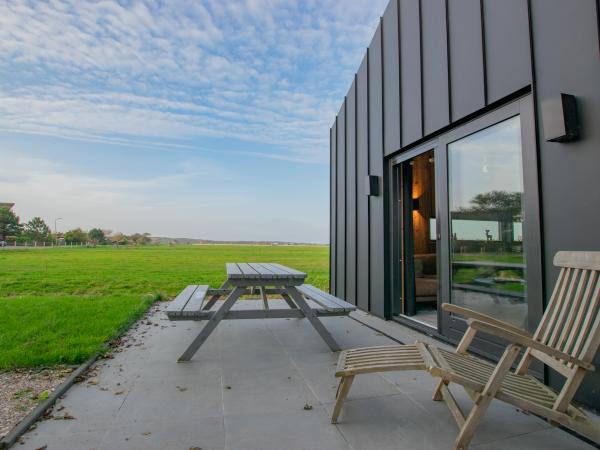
[[22, 390]]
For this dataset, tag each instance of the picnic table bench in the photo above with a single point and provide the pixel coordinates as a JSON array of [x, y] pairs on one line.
[[196, 302]]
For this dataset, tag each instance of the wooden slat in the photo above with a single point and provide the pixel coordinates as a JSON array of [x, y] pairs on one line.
[[557, 305], [181, 300], [289, 271], [566, 308], [233, 270], [324, 299], [249, 272], [578, 310], [195, 301], [578, 260], [573, 345], [545, 321]]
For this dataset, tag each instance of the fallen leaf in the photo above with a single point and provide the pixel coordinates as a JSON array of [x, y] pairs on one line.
[[181, 389], [43, 447], [146, 433], [307, 407]]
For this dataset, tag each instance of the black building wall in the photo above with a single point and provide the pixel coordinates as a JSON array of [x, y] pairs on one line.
[[434, 64]]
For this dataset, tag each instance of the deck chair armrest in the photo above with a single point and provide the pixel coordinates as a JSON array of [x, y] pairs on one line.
[[471, 314], [526, 341]]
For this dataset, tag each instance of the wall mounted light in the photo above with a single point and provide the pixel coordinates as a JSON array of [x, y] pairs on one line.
[[559, 117], [372, 185], [416, 204]]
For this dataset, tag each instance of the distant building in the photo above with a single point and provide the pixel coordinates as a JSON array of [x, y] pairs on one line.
[[6, 205]]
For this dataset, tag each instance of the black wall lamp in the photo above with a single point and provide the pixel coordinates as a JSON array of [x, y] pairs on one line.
[[372, 185], [559, 116]]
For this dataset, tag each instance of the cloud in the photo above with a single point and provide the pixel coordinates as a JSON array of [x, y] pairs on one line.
[[176, 73]]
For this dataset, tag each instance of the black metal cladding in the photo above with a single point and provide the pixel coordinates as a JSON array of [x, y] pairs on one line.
[[435, 63]]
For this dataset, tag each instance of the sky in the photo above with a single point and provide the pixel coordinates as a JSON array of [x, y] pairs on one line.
[[202, 119]]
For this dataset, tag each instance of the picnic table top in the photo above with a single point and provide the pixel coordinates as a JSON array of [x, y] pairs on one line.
[[255, 271]]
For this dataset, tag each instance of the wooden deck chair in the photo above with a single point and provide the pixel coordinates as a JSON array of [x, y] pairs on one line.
[[566, 340]]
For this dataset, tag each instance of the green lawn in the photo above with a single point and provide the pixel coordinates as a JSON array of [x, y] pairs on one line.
[[61, 305]]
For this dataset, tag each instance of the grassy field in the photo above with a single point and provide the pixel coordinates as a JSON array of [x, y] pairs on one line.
[[59, 306]]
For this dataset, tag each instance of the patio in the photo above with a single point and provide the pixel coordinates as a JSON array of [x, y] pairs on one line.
[[252, 386]]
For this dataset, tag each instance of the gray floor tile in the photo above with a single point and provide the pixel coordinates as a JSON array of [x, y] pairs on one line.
[[206, 433], [292, 430]]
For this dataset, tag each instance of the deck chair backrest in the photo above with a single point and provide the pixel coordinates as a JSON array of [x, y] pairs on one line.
[[571, 322]]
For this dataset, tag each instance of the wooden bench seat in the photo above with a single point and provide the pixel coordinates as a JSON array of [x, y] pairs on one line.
[[327, 302], [188, 304]]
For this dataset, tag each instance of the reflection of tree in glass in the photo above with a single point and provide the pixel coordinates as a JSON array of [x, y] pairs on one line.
[[501, 206]]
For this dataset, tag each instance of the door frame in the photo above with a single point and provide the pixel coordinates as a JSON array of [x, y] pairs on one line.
[[453, 326], [397, 286]]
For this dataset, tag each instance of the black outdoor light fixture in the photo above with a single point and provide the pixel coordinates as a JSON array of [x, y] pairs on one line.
[[372, 185], [559, 116]]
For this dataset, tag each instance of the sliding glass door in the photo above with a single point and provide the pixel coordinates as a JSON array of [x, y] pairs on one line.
[[485, 201], [489, 220], [465, 225]]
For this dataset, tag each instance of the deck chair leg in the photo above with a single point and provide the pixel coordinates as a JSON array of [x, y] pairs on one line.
[[437, 394], [342, 393], [485, 398]]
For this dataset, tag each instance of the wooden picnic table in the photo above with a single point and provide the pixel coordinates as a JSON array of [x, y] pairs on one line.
[[196, 302]]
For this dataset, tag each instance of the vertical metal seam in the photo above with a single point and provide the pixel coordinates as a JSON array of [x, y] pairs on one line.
[[400, 133], [355, 189], [336, 205], [449, 62], [369, 174], [345, 198], [421, 69], [483, 53], [382, 184], [331, 212]]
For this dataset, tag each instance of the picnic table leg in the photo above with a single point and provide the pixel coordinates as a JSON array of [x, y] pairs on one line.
[[211, 324], [288, 299], [263, 295], [312, 318], [211, 301]]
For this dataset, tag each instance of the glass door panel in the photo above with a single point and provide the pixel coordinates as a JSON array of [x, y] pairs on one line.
[[485, 204]]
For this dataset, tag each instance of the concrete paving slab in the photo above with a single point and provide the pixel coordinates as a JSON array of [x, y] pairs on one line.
[[292, 430], [143, 399], [206, 433]]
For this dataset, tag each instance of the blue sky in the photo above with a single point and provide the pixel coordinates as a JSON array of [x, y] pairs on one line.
[[205, 119]]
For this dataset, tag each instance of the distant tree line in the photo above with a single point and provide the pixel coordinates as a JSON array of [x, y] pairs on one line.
[[37, 232]]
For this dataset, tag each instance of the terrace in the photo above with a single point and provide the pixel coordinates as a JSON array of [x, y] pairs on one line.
[[265, 384]]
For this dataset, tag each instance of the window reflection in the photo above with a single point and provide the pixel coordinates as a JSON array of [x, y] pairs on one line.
[[486, 220]]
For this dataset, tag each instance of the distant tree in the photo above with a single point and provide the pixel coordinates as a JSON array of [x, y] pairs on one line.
[[500, 203], [118, 238], [37, 230], [96, 236], [501, 206], [10, 228], [140, 239], [76, 236]]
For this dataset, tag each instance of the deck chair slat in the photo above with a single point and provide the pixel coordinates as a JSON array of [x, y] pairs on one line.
[[576, 307], [586, 326], [593, 331], [563, 310], [583, 299], [552, 305]]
